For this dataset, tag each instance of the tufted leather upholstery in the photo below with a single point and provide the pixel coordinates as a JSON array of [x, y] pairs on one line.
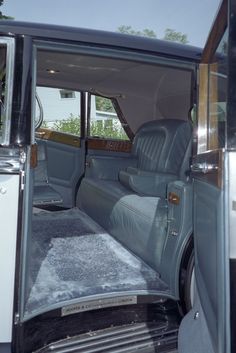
[[133, 208], [161, 148], [160, 145]]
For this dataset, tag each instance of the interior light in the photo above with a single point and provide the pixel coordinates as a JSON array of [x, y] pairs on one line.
[[52, 71]]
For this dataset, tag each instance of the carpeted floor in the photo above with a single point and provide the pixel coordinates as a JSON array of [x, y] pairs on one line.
[[72, 257]]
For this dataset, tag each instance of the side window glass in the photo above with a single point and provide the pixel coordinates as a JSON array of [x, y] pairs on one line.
[[6, 82], [104, 121], [61, 110], [212, 100], [217, 97]]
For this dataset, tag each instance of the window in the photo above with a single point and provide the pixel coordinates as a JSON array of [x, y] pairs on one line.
[[65, 94], [212, 100], [104, 121], [217, 97], [62, 115], [6, 74]]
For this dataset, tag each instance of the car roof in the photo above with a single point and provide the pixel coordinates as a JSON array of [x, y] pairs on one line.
[[90, 36]]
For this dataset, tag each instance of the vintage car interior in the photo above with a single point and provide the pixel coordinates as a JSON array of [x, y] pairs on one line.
[[112, 217], [134, 196]]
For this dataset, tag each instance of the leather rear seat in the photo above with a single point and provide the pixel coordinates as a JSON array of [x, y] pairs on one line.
[[133, 207]]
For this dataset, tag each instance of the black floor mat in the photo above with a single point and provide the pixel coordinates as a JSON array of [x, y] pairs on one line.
[[73, 257]]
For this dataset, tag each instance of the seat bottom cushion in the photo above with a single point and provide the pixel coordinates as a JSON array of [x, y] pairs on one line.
[[138, 222]]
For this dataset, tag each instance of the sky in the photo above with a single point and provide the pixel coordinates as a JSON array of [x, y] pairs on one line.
[[193, 17]]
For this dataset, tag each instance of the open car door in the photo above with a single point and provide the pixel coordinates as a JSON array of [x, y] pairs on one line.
[[207, 327]]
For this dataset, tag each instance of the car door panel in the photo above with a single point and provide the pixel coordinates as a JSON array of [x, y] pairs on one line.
[[207, 324], [65, 163], [96, 148], [65, 169], [208, 230]]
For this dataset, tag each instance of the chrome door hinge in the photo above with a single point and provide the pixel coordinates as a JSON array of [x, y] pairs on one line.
[[22, 179], [22, 157]]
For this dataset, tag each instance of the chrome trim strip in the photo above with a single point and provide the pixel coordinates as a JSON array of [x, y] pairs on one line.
[[34, 94], [98, 304], [156, 296], [231, 203]]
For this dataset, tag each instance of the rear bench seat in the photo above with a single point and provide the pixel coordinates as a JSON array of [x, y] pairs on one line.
[[127, 196]]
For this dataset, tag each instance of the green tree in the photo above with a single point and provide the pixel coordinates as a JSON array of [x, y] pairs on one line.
[[170, 34], [70, 125], [3, 17], [173, 36], [105, 129], [144, 33], [104, 104]]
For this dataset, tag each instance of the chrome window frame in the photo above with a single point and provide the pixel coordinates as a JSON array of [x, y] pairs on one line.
[[33, 101]]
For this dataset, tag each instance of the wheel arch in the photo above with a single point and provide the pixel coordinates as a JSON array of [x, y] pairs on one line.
[[185, 257]]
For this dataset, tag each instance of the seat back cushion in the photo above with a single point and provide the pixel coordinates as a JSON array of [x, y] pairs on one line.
[[161, 145]]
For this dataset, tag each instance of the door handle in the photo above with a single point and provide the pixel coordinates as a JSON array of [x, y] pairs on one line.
[[204, 167]]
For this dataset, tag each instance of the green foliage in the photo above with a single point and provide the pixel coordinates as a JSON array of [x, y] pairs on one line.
[[3, 17], [44, 125], [144, 33], [104, 104], [149, 33], [106, 129], [170, 34], [173, 36], [70, 125]]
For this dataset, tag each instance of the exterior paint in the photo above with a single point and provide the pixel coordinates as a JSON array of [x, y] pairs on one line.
[[9, 192]]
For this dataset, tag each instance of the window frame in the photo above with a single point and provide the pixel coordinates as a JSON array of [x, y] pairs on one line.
[[208, 58], [54, 134], [6, 118], [119, 114], [66, 91]]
